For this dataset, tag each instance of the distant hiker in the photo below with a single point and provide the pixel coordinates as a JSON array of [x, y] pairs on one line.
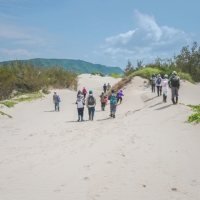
[[80, 107], [84, 92], [153, 82], [159, 85], [56, 101], [113, 103], [79, 92], [104, 87], [108, 87], [174, 84], [91, 103], [119, 96], [103, 101], [165, 87]]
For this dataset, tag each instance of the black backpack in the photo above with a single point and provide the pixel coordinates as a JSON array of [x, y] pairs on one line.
[[158, 81], [91, 101], [175, 81]]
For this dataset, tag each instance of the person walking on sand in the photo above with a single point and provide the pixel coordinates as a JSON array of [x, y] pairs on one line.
[[159, 85], [153, 83], [108, 87], [104, 87], [119, 96], [113, 103], [80, 107], [174, 84], [79, 92], [91, 103], [84, 92], [103, 101], [56, 101], [165, 87]]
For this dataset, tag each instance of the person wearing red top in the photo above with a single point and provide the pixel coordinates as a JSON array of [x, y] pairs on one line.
[[84, 92]]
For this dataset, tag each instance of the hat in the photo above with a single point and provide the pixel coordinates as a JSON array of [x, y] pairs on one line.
[[174, 73], [113, 91], [90, 92], [153, 75], [165, 75], [158, 75]]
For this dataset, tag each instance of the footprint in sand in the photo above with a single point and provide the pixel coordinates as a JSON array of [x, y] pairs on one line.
[[86, 179]]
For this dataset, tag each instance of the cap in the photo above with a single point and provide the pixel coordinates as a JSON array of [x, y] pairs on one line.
[[90, 92]]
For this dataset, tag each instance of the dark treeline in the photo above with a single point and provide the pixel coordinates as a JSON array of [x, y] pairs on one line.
[[188, 61], [25, 77]]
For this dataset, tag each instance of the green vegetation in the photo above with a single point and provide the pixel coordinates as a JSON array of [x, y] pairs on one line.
[[28, 96], [9, 104], [115, 75], [45, 91], [98, 73], [2, 113], [75, 66], [194, 117], [186, 64], [27, 78]]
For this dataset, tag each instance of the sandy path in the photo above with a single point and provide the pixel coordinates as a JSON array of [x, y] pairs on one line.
[[147, 152]]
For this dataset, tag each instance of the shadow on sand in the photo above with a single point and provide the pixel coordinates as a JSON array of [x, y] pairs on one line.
[[50, 111], [150, 99], [155, 105], [77, 121], [161, 108], [104, 119]]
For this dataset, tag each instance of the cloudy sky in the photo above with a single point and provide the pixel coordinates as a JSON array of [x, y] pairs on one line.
[[107, 32]]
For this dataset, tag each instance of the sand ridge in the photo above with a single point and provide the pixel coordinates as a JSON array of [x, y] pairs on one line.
[[147, 152]]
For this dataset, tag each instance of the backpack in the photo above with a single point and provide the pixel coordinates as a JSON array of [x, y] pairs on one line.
[[164, 83], [58, 98], [175, 81], [158, 81], [102, 99], [80, 104], [113, 99], [153, 80], [91, 101]]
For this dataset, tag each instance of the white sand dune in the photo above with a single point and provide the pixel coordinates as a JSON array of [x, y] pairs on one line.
[[147, 152]]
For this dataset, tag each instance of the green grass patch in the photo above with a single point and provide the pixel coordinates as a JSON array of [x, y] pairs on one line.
[[28, 96], [2, 113], [45, 91], [9, 104], [194, 117], [115, 75], [147, 72], [185, 76]]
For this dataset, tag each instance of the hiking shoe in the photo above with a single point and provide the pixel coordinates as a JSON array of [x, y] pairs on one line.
[[113, 116]]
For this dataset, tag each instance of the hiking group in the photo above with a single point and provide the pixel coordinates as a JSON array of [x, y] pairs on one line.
[[90, 102], [164, 84]]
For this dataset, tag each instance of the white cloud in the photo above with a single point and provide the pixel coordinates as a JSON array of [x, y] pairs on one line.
[[16, 54], [147, 41]]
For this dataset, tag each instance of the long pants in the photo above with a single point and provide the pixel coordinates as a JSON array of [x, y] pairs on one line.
[[80, 112], [153, 87], [57, 105], [119, 98], [84, 95], [174, 91], [103, 104], [113, 108], [159, 90], [91, 111]]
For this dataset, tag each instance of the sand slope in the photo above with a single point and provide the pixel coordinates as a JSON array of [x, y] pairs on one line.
[[147, 152]]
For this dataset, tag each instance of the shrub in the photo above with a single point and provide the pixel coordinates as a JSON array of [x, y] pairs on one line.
[[98, 73], [194, 117], [9, 104], [46, 91], [115, 75], [7, 82]]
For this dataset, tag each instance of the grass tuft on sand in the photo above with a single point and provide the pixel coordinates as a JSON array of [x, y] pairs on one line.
[[196, 116], [9, 104], [2, 113], [29, 96]]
